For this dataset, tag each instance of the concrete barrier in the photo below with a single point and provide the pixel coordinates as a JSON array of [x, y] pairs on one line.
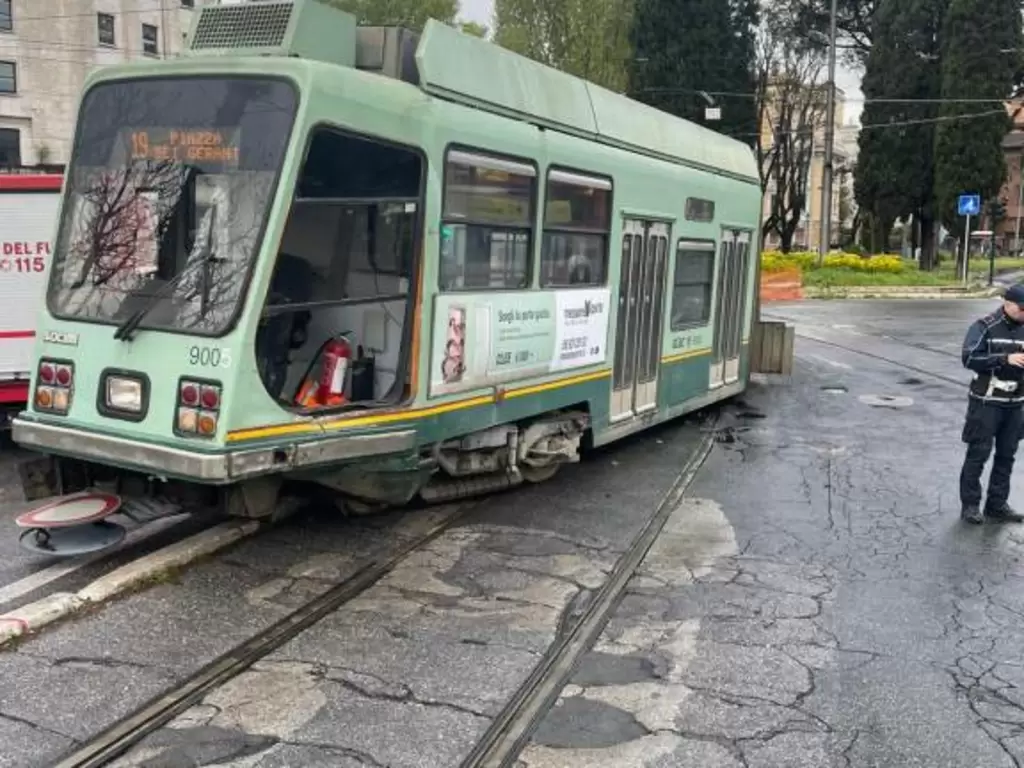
[[786, 285]]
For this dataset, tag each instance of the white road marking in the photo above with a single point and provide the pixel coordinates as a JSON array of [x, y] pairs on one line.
[[41, 578]]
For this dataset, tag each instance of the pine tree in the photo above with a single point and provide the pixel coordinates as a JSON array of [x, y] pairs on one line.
[[683, 47], [978, 62], [894, 176]]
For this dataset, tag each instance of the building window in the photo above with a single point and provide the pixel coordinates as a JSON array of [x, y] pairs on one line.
[[10, 148], [577, 225], [188, 3], [149, 45], [487, 222], [691, 285], [6, 16], [105, 29], [8, 77]]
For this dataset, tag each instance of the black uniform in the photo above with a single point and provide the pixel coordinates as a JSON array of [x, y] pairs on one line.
[[995, 411]]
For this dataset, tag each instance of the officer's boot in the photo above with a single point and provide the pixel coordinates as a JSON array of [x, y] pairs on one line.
[[1003, 513], [971, 513]]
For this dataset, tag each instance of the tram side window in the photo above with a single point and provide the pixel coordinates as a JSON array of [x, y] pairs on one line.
[[692, 284], [344, 266], [577, 225], [487, 222]]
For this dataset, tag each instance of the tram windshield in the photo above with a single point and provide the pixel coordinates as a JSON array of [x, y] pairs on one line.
[[167, 196]]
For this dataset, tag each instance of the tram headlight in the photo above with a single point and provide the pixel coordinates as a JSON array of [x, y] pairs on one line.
[[187, 419], [44, 397], [55, 381], [124, 394]]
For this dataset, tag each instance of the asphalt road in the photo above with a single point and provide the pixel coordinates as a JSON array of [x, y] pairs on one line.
[[814, 600]]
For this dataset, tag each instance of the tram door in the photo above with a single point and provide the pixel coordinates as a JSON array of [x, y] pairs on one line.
[[638, 329], [730, 306]]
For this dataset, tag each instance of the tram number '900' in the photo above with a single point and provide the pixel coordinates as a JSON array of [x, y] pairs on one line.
[[209, 357]]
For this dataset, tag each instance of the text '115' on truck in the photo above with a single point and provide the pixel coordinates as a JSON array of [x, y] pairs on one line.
[[29, 198], [311, 257]]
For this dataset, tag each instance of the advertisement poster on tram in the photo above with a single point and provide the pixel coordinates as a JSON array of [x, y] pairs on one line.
[[485, 340]]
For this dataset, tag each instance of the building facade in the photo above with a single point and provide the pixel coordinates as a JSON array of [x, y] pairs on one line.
[[1010, 231], [47, 47], [808, 231]]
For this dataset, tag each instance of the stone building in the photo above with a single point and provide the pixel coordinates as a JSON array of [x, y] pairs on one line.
[[47, 47]]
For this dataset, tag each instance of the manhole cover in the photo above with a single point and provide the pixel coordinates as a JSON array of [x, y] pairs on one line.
[[887, 401]]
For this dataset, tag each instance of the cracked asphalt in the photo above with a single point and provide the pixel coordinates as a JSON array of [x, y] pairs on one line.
[[813, 601]]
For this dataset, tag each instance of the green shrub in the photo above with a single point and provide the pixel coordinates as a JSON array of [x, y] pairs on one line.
[[773, 261]]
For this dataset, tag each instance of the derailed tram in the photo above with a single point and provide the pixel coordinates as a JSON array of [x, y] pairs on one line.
[[373, 264]]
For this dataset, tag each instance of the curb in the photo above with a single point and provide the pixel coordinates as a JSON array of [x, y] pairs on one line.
[[810, 293], [32, 617]]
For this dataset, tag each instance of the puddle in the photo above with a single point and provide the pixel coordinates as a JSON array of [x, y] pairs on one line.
[[886, 401], [835, 389]]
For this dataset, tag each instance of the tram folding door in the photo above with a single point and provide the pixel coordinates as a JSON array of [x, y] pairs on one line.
[[730, 306], [639, 318]]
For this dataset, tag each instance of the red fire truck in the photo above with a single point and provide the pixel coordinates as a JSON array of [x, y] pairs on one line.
[[29, 200]]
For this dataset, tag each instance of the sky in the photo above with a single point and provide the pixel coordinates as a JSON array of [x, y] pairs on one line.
[[481, 11]]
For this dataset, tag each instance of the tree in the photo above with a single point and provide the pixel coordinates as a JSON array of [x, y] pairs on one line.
[[684, 47], [895, 169], [586, 38], [789, 108], [975, 65], [406, 13], [854, 23], [472, 28]]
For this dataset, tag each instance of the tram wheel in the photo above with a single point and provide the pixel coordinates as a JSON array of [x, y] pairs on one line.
[[359, 508], [533, 474]]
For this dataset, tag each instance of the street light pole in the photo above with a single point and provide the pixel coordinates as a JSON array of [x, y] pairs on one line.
[[830, 119]]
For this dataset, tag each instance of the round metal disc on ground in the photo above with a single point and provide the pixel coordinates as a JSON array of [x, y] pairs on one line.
[[75, 509], [74, 540], [887, 401]]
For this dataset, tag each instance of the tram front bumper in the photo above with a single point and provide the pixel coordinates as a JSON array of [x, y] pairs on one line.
[[215, 468]]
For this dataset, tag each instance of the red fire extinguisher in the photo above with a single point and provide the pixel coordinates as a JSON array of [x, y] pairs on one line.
[[329, 389], [337, 358]]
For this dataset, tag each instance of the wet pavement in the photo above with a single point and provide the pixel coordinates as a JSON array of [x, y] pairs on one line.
[[408, 675], [813, 601], [831, 610]]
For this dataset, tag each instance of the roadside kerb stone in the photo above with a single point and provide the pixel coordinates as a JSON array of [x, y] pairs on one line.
[[900, 292], [32, 617]]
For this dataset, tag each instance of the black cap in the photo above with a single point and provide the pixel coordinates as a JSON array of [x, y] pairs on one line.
[[1015, 293]]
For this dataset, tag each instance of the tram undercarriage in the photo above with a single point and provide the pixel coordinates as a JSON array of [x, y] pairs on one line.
[[88, 495]]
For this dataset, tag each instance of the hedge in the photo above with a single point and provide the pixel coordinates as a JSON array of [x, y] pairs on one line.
[[773, 261]]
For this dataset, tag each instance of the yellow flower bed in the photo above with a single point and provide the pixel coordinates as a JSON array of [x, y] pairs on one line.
[[774, 261]]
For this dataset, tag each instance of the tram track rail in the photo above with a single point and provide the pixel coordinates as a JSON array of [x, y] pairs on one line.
[[117, 739], [513, 726], [882, 358], [512, 729]]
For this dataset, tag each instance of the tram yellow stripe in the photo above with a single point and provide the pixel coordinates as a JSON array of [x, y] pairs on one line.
[[668, 359], [558, 383], [276, 430]]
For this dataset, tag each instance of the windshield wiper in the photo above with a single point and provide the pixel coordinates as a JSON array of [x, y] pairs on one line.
[[127, 328]]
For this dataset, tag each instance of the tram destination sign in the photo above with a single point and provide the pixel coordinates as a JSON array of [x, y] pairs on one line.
[[217, 147]]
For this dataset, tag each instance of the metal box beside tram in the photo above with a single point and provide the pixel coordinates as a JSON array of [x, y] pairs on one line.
[[307, 257]]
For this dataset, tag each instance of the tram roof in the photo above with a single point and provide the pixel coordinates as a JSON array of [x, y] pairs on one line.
[[497, 80], [506, 83]]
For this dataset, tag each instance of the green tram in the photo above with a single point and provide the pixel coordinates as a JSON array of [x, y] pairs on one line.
[[372, 264]]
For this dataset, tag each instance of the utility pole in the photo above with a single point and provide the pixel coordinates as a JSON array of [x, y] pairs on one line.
[[1020, 203], [830, 137]]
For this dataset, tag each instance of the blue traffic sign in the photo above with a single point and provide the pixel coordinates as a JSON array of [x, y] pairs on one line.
[[969, 205]]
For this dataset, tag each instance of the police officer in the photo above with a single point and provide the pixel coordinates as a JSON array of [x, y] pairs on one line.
[[994, 350]]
